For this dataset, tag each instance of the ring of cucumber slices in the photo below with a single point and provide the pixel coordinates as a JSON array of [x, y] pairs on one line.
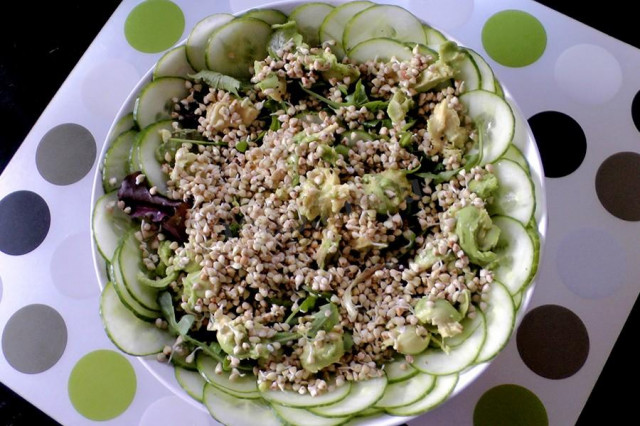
[[363, 31]]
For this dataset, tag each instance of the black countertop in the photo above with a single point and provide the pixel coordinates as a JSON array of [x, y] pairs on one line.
[[39, 46]]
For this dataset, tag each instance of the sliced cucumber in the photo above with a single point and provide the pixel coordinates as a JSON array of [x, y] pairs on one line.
[[407, 391], [191, 381], [439, 393], [513, 153], [494, 120], [363, 394], [147, 145], [309, 18], [134, 161], [294, 399], [116, 161], [516, 253], [371, 411], [180, 360], [233, 48], [244, 384], [434, 38], [467, 71], [382, 21], [486, 73], [500, 314], [157, 98], [515, 196], [125, 123], [197, 41], [174, 63], [126, 298], [517, 299], [128, 332], [302, 417], [230, 410], [129, 262], [399, 370], [109, 224], [437, 362], [332, 27], [270, 16], [380, 50]]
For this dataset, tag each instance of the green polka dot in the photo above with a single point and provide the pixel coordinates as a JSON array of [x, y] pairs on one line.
[[102, 385], [154, 26], [509, 405], [514, 38]]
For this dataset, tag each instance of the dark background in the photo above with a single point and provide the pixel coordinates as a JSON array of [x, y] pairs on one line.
[[40, 43]]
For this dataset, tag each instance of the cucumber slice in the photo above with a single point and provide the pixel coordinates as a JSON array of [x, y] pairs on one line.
[[300, 416], [229, 410], [242, 385], [174, 63], [399, 370], [434, 38], [467, 71], [233, 48], [129, 261], [191, 381], [126, 298], [515, 196], [294, 399], [513, 153], [383, 21], [516, 253], [439, 363], [270, 16], [517, 299], [500, 314], [494, 120], [156, 100], [371, 411], [109, 223], [332, 27], [486, 73], [197, 41], [439, 393], [126, 122], [180, 360], [134, 161], [407, 391], [309, 18], [116, 161], [380, 50], [363, 394], [128, 332], [147, 145]]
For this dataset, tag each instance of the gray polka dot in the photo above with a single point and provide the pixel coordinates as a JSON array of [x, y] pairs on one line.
[[78, 283], [24, 222], [34, 339], [618, 185], [66, 154]]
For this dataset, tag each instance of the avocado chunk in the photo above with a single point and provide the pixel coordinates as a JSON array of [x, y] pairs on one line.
[[426, 258], [440, 71], [398, 107], [485, 186], [389, 188], [273, 86], [443, 126], [440, 313], [322, 194], [477, 234], [409, 342], [329, 246], [232, 334], [320, 353]]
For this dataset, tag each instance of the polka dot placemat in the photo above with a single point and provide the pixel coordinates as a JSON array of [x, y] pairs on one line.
[[587, 130]]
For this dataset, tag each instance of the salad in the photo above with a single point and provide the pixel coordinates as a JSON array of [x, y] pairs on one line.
[[316, 217]]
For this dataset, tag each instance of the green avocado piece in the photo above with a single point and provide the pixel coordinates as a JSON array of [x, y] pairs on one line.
[[317, 355], [442, 70], [398, 107], [277, 84], [477, 234], [485, 187], [322, 194], [441, 313], [444, 124], [390, 188]]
